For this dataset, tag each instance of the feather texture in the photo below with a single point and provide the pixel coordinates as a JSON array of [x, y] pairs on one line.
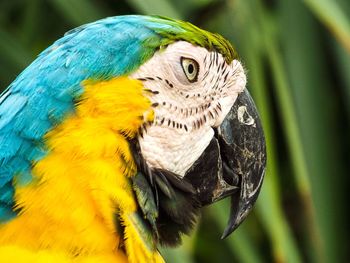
[[87, 167]]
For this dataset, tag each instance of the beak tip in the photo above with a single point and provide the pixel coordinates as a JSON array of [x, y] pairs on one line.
[[227, 232]]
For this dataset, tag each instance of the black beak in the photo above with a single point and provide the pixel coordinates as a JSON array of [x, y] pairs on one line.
[[234, 162]]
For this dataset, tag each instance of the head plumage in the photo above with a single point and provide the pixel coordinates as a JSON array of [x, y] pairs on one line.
[[172, 30]]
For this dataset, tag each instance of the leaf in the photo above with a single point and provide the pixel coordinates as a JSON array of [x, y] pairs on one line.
[[79, 12], [155, 7], [334, 17]]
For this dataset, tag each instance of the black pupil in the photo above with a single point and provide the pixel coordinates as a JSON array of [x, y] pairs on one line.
[[190, 68]]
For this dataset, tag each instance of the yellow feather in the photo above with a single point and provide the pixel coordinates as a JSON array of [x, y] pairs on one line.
[[68, 211]]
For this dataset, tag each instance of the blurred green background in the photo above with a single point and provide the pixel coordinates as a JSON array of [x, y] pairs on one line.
[[297, 55]]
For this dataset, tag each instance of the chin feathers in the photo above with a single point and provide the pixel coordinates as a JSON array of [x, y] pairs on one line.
[[167, 202], [177, 216]]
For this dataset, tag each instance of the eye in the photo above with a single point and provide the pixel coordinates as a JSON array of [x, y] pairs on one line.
[[190, 68]]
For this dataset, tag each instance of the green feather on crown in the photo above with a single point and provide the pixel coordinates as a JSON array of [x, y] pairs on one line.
[[181, 30]]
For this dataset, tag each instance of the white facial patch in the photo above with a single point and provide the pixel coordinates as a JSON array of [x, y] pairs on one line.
[[185, 109]]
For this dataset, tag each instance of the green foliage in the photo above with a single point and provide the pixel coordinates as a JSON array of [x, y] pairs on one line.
[[297, 55]]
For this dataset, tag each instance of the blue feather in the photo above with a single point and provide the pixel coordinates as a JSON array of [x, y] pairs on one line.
[[46, 91]]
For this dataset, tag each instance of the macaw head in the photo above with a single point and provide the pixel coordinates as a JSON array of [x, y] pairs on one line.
[[206, 141]]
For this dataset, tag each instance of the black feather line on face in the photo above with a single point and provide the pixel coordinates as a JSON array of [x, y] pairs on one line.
[[175, 198]]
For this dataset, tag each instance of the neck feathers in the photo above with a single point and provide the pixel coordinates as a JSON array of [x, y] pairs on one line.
[[82, 183]]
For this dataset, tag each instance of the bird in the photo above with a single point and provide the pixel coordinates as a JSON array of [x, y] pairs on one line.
[[117, 134]]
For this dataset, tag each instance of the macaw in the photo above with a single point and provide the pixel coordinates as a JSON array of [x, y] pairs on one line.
[[117, 134]]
